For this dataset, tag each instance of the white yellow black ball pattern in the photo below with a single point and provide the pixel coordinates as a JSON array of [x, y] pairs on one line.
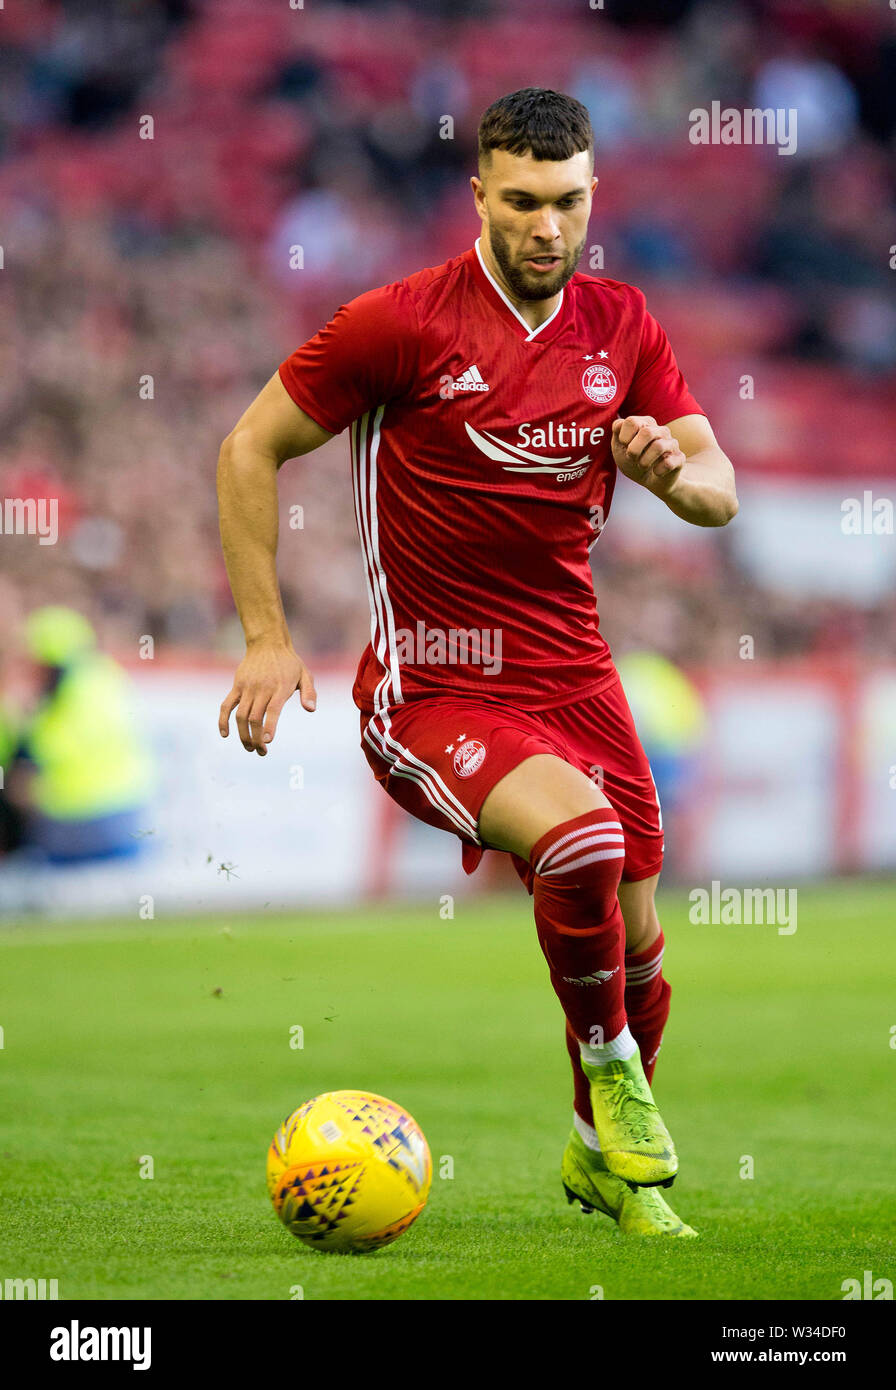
[[349, 1171]]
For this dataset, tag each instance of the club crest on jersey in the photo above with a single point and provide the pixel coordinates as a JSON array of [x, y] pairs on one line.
[[469, 757], [599, 383]]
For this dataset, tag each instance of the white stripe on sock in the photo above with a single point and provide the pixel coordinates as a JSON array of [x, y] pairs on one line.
[[642, 974], [585, 859], [575, 834], [606, 837]]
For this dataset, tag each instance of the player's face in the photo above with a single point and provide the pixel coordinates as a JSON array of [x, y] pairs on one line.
[[535, 218]]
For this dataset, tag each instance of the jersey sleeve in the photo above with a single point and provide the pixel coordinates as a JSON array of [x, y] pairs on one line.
[[658, 387], [364, 357]]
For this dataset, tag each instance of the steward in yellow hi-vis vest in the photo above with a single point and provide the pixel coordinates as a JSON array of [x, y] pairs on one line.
[[670, 719], [91, 773]]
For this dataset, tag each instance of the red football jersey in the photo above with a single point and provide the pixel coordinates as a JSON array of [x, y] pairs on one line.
[[483, 473]]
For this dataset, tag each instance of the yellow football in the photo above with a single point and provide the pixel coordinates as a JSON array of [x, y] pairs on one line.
[[349, 1171]]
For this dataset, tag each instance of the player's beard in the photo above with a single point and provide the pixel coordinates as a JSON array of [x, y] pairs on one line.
[[520, 281]]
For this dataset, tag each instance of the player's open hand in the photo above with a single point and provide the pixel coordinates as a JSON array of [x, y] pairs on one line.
[[646, 452], [266, 677]]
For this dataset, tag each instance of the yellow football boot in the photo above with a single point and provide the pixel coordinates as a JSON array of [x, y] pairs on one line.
[[642, 1212], [636, 1145]]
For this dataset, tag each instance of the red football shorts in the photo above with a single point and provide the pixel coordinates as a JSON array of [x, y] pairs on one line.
[[439, 757]]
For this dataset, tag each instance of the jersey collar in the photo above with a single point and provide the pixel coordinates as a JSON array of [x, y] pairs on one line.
[[492, 290]]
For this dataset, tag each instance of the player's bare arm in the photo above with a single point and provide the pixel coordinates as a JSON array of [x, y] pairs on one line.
[[271, 431], [681, 463]]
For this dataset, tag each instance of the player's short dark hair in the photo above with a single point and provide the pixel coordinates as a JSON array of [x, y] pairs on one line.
[[536, 120]]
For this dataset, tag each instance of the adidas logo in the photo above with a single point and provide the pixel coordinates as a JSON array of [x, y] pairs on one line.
[[470, 380]]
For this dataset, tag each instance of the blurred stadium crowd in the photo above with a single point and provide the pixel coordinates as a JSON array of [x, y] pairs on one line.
[[149, 289]]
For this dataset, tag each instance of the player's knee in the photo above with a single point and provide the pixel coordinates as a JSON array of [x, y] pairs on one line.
[[585, 854]]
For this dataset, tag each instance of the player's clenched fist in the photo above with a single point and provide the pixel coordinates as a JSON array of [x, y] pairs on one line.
[[265, 678], [645, 451]]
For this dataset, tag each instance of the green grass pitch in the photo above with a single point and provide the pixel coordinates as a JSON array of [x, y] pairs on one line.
[[172, 1039]]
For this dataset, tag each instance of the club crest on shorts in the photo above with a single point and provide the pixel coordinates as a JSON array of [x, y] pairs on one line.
[[599, 383], [469, 757]]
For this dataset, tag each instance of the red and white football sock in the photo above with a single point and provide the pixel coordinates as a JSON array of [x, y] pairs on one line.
[[647, 1001], [577, 867]]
